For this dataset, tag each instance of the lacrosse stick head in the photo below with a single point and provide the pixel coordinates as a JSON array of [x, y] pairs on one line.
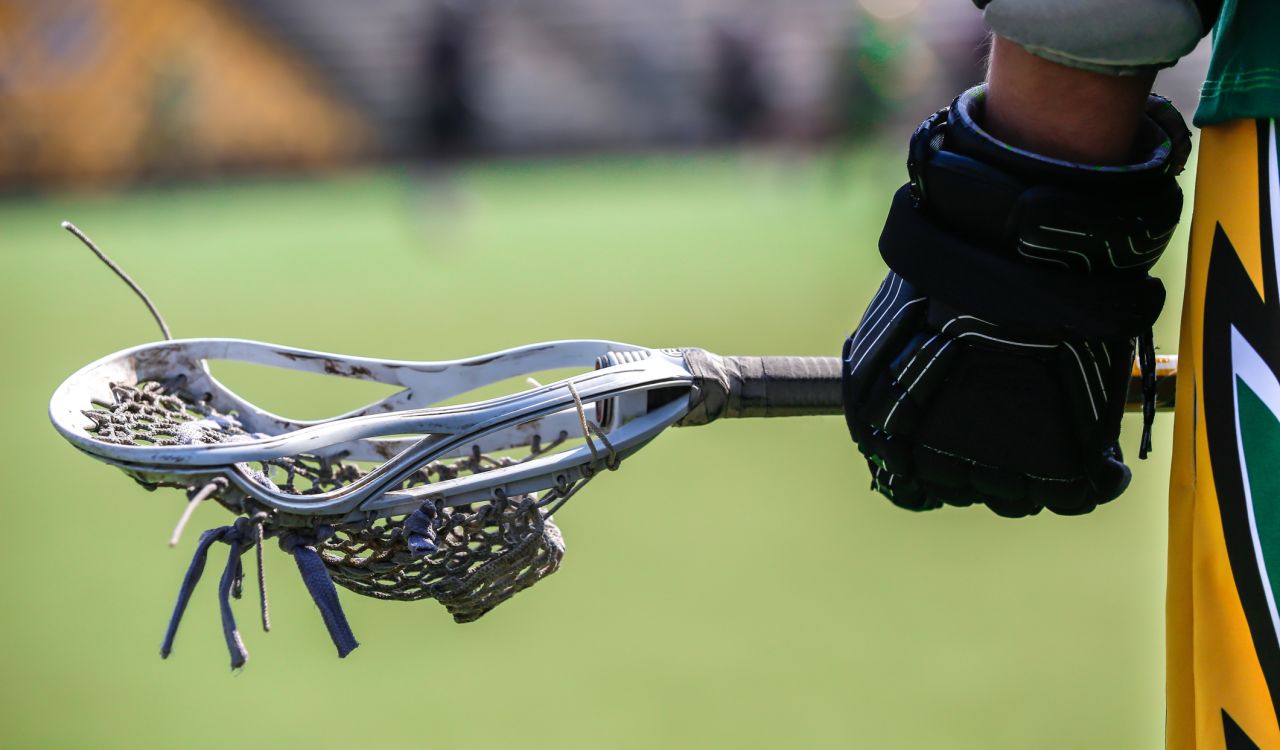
[[491, 472]]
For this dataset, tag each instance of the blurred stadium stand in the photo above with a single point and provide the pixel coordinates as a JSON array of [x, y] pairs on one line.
[[575, 74], [111, 91], [96, 91]]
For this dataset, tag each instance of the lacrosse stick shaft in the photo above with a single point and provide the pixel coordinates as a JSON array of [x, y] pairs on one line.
[[762, 386], [811, 386]]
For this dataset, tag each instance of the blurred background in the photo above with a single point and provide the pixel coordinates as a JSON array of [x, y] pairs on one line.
[[419, 179]]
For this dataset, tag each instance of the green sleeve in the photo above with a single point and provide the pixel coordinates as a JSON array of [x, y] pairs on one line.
[[1244, 71]]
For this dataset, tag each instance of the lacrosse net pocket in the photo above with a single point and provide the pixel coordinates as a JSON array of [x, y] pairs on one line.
[[485, 554], [469, 557]]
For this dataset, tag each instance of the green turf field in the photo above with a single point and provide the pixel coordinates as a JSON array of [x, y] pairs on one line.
[[732, 586]]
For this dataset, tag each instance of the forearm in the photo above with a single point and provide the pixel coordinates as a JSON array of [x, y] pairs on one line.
[[1061, 112]]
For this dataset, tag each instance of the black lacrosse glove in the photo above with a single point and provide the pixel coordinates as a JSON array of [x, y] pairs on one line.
[[993, 364]]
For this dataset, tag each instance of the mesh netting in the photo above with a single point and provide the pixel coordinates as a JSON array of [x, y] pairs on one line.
[[486, 552]]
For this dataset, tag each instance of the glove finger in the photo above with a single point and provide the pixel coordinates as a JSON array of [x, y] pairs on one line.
[[1115, 358], [890, 321], [902, 491], [957, 481], [891, 452], [959, 497], [946, 473], [1062, 496], [1112, 479], [1010, 508], [998, 485], [918, 371], [1091, 384], [1085, 387], [1004, 408]]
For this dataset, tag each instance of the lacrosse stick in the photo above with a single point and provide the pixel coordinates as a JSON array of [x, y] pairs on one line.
[[403, 498]]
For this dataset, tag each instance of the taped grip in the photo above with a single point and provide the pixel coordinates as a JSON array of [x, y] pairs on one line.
[[761, 387]]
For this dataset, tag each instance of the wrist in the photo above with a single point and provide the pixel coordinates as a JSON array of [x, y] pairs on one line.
[[1062, 112], [1158, 148]]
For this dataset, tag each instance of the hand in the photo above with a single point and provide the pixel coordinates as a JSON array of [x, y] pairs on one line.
[[992, 365]]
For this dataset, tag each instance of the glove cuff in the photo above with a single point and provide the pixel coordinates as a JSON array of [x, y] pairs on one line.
[[1161, 148], [1091, 219], [1021, 296]]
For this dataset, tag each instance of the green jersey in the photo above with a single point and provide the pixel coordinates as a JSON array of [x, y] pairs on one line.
[[1244, 72]]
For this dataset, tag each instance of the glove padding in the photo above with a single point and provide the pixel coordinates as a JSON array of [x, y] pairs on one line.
[[992, 365], [952, 409]]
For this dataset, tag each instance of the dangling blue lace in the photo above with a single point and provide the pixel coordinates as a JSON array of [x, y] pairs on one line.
[[240, 536], [316, 578]]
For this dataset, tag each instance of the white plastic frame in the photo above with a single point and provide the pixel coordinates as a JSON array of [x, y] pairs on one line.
[[376, 432]]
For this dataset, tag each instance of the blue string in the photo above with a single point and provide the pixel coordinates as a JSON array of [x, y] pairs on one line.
[[189, 581], [240, 537], [229, 585], [316, 578]]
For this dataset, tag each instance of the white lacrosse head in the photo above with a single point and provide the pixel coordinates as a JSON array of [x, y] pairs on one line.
[[405, 498], [156, 412]]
